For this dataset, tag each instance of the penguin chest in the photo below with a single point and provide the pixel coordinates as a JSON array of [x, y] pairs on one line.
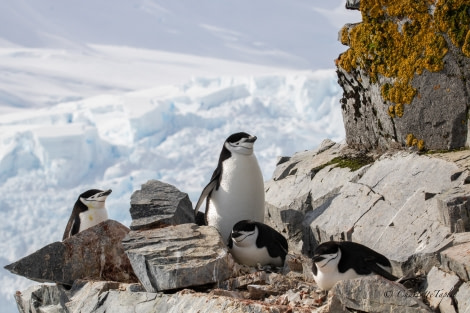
[[92, 217], [252, 255], [326, 280], [241, 191]]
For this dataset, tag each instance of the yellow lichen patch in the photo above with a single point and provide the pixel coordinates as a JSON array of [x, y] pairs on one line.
[[391, 111], [420, 145], [399, 110], [90, 217], [466, 45], [397, 39], [409, 140], [453, 17], [412, 141], [344, 37]]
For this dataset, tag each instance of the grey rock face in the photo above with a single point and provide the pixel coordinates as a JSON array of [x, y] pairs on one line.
[[42, 299], [179, 256], [440, 286], [298, 186], [365, 114], [463, 298], [457, 260], [353, 4], [374, 294], [94, 297], [159, 204], [454, 206], [292, 296], [96, 253], [393, 205], [437, 114]]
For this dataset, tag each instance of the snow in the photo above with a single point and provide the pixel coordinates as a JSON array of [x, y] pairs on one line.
[[150, 90]]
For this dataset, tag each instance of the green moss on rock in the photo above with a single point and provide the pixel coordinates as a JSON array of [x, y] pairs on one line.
[[352, 162]]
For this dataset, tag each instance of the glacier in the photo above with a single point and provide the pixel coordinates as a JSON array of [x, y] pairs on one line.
[[173, 133]]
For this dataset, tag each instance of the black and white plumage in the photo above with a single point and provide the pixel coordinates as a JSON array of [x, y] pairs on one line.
[[236, 189], [89, 210], [335, 261], [252, 243]]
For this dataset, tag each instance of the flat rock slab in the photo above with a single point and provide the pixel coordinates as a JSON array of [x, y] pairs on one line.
[[159, 204], [374, 294], [440, 285], [95, 254], [457, 260], [463, 298], [41, 298], [96, 297], [177, 257]]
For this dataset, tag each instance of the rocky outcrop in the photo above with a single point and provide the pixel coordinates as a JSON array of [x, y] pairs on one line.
[[374, 294], [440, 287], [95, 253], [177, 257], [158, 204], [392, 203], [410, 207], [406, 75], [457, 259]]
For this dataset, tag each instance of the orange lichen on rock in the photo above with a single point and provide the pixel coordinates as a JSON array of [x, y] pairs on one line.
[[400, 38]]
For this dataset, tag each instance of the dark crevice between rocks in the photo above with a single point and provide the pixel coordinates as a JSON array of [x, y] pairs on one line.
[[287, 171]]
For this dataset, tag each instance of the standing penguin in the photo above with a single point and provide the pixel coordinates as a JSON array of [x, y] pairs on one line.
[[236, 189], [253, 243], [335, 261], [89, 210]]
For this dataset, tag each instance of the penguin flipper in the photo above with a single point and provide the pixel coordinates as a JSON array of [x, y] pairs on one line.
[[67, 230], [73, 226], [377, 269], [204, 194]]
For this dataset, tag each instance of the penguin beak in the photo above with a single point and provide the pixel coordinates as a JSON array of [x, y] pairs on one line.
[[106, 193], [251, 139]]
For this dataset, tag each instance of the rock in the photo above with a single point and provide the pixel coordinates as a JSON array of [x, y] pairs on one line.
[[440, 285], [95, 253], [457, 260], [42, 299], [461, 238], [94, 297], [396, 83], [353, 4], [463, 298], [298, 185], [454, 207], [447, 306], [373, 294], [179, 256], [393, 204], [158, 204], [242, 282]]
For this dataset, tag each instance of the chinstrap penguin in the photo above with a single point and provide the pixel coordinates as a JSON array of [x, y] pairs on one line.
[[89, 210], [252, 243], [334, 261], [236, 189]]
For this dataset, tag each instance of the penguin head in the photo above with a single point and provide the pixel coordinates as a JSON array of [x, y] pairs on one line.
[[240, 143], [327, 255], [94, 198], [244, 233]]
